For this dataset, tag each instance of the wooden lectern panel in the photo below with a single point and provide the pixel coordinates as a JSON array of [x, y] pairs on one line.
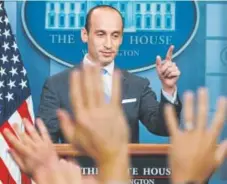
[[134, 149], [148, 162]]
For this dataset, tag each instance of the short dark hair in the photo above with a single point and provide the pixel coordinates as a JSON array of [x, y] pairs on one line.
[[89, 14]]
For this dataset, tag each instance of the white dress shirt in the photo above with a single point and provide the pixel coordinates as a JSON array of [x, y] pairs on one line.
[[107, 79]]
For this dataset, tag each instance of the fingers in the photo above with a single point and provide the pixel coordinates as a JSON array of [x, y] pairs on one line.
[[171, 71], [219, 118], [16, 144], [27, 141], [165, 66], [174, 74], [98, 87], [220, 153], [32, 132], [189, 109], [43, 131], [76, 92], [66, 124], [202, 108], [169, 53], [16, 128], [158, 61], [158, 64], [17, 158], [171, 119], [86, 88], [116, 89], [168, 69], [89, 86]]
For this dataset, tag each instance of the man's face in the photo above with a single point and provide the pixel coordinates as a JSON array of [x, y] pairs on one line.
[[104, 36]]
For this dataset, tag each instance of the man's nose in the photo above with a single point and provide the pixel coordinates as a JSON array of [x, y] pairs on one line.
[[108, 43]]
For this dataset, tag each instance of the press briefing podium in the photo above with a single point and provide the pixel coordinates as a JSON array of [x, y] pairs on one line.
[[149, 164]]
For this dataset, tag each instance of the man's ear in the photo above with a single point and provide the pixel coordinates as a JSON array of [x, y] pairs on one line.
[[84, 35]]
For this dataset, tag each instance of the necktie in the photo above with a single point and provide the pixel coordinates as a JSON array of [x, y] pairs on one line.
[[105, 84]]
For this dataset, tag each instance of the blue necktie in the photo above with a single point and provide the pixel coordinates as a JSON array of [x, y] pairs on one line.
[[107, 96], [104, 71]]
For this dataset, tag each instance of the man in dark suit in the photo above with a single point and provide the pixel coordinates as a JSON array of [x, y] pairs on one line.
[[103, 34]]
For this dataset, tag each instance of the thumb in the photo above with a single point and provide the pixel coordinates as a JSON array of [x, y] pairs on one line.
[[221, 153], [158, 61]]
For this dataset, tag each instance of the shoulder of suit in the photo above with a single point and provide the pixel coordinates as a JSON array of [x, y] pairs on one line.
[[131, 77], [61, 76]]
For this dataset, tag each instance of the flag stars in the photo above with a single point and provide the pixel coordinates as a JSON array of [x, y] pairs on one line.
[[13, 71], [11, 84], [6, 46], [6, 33], [4, 58], [6, 20], [15, 58], [14, 85], [14, 46], [24, 71], [9, 96], [2, 71], [2, 84], [23, 84]]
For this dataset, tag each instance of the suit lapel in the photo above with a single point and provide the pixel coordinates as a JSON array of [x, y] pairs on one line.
[[124, 82], [124, 85]]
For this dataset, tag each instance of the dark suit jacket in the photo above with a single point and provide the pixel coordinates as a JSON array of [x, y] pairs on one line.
[[146, 108]]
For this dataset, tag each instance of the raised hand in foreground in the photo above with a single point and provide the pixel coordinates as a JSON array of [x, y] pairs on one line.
[[100, 128], [194, 153], [35, 155]]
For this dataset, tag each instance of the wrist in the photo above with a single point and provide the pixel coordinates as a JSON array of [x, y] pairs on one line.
[[40, 177], [115, 169], [42, 172], [169, 90], [49, 176]]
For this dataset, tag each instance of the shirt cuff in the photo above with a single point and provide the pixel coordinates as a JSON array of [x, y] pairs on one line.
[[170, 98]]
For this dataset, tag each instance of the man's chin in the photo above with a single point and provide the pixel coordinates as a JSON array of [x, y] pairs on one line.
[[106, 62]]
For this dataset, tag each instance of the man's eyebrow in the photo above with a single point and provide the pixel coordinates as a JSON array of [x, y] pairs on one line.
[[99, 30]]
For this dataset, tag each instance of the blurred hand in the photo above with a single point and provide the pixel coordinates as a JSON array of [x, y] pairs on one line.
[[71, 172], [100, 128], [33, 152], [193, 154]]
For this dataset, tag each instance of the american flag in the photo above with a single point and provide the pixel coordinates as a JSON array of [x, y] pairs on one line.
[[15, 98]]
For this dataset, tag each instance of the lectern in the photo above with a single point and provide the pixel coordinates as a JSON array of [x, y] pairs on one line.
[[149, 164]]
